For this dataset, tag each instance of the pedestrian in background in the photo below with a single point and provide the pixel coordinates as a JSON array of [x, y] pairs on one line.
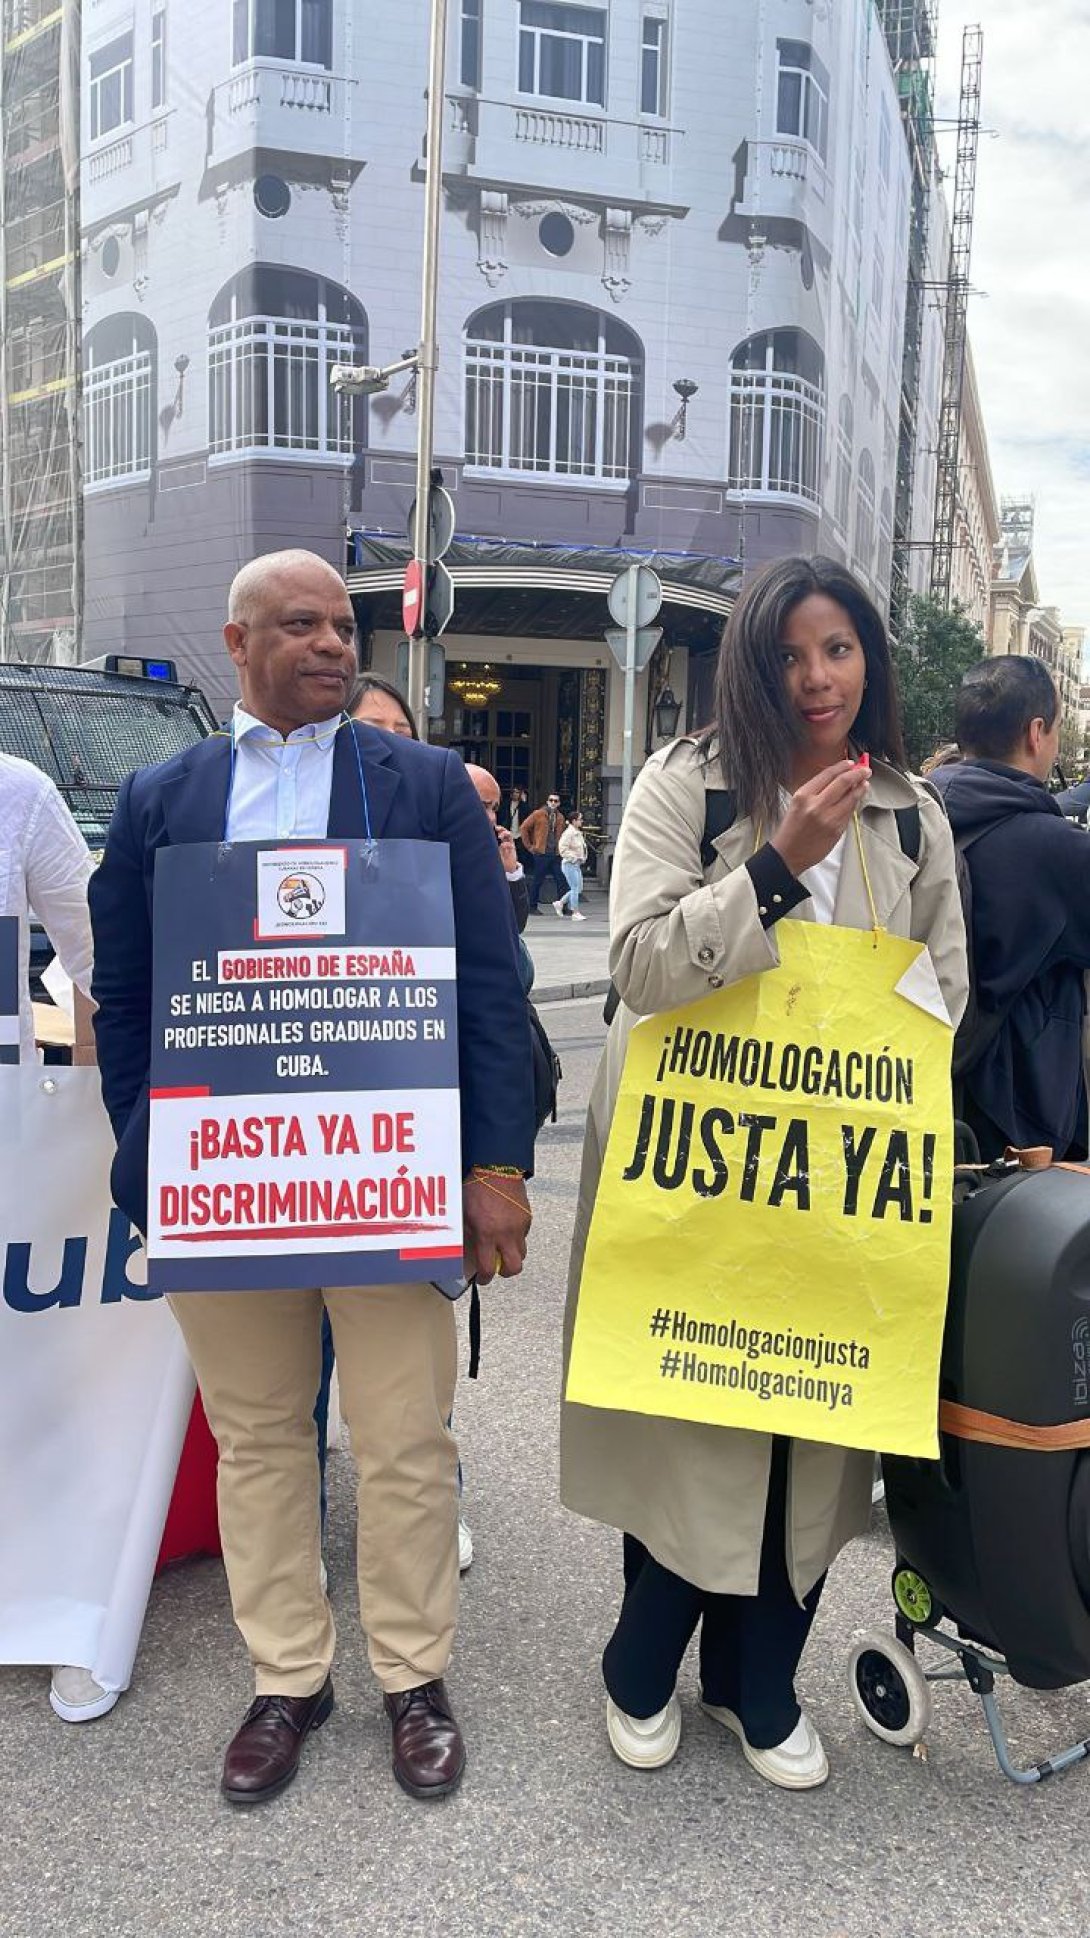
[[1021, 1078], [540, 836], [573, 853], [379, 702], [727, 1530]]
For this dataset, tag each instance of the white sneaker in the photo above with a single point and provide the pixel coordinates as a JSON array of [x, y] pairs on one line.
[[798, 1763], [78, 1698], [558, 908], [644, 1742], [577, 917], [465, 1547]]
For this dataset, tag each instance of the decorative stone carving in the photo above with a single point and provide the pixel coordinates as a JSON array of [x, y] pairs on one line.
[[340, 189], [492, 236], [755, 249], [140, 226], [617, 240], [574, 211]]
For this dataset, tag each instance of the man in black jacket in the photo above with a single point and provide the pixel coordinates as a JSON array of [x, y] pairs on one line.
[[1029, 870]]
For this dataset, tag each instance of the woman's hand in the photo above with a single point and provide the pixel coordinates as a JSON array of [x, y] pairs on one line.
[[820, 811]]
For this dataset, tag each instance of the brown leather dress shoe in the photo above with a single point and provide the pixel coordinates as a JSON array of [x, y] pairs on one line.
[[429, 1754], [263, 1756]]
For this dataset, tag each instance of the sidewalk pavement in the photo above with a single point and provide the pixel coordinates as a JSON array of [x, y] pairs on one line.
[[570, 958]]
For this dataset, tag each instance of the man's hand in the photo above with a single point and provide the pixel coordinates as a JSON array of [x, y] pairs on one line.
[[508, 854], [497, 1219], [820, 811]]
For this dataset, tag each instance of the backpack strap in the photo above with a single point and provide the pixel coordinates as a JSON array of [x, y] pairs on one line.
[[908, 830], [720, 813]]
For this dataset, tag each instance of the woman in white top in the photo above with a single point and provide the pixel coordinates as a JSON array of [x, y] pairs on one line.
[[725, 1530], [44, 867], [572, 848]]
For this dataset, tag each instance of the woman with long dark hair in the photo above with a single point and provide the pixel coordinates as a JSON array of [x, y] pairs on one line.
[[727, 1530], [380, 703]]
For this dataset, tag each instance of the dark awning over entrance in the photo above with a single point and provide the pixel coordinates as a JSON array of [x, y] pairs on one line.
[[543, 591]]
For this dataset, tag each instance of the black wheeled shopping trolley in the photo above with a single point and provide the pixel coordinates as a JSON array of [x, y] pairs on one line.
[[993, 1539]]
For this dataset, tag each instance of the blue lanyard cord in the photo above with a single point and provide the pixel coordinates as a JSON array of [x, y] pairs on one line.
[[344, 721]]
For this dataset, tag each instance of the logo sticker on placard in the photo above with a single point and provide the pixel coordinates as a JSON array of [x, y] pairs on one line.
[[300, 893]]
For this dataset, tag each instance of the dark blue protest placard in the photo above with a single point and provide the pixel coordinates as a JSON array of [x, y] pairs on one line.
[[9, 989], [304, 1071]]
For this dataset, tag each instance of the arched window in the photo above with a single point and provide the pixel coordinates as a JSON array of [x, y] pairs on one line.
[[845, 435], [885, 542], [552, 389], [119, 384], [777, 415], [273, 337], [864, 514]]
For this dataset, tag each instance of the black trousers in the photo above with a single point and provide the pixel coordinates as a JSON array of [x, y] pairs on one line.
[[750, 1645], [545, 865]]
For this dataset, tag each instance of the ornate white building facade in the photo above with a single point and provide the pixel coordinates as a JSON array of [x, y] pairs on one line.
[[671, 319]]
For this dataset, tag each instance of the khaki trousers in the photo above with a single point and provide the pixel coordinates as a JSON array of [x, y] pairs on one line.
[[257, 1357]]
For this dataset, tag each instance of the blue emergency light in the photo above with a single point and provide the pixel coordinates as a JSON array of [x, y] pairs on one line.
[[132, 667]]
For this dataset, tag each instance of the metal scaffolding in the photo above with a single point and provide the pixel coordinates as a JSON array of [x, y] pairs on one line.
[[956, 317], [909, 28], [40, 568]]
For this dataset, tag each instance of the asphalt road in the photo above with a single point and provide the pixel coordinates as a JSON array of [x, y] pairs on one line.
[[116, 1829]]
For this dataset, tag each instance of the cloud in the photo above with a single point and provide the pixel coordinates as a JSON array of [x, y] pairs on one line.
[[1030, 254]]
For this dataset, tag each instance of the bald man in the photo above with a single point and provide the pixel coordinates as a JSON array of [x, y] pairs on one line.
[[488, 793], [290, 769]]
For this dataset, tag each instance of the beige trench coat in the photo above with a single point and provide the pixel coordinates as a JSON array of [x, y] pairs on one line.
[[693, 1494]]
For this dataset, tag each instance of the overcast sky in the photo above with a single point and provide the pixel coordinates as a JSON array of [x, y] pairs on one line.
[[1031, 252]]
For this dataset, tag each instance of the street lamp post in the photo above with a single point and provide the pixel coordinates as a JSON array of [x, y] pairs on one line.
[[369, 379], [428, 353]]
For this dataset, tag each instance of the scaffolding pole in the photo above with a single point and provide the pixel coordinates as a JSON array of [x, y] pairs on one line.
[[956, 318], [909, 28]]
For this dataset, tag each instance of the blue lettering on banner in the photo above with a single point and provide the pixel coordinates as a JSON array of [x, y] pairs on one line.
[[122, 1242]]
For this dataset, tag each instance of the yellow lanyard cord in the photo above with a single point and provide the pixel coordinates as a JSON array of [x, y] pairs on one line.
[[878, 929]]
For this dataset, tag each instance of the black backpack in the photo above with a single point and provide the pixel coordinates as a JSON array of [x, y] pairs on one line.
[[547, 1070], [721, 812], [978, 1027]]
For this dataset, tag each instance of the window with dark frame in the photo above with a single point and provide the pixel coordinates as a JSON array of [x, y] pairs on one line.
[[111, 87], [299, 31], [469, 69], [802, 95], [159, 58], [562, 51], [653, 58]]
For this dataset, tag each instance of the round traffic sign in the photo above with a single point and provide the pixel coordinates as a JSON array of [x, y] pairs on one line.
[[412, 600], [635, 596], [440, 521]]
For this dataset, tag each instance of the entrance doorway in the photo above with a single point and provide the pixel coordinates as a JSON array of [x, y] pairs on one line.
[[543, 729]]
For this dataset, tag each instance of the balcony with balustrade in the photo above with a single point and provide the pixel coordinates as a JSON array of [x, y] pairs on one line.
[[786, 181], [132, 165], [281, 109], [548, 146]]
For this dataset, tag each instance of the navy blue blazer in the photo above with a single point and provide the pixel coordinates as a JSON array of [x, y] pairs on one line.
[[415, 793]]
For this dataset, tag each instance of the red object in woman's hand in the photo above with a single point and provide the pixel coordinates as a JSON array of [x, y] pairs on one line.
[[864, 761]]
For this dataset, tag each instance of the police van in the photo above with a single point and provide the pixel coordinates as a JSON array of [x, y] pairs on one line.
[[88, 726]]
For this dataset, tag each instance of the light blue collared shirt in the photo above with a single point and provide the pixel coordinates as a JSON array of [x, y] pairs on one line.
[[282, 787]]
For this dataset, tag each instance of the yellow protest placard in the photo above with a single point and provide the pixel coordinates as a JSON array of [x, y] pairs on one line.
[[770, 1242]]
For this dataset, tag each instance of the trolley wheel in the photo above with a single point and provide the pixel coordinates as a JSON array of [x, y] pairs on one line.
[[915, 1599], [889, 1689]]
